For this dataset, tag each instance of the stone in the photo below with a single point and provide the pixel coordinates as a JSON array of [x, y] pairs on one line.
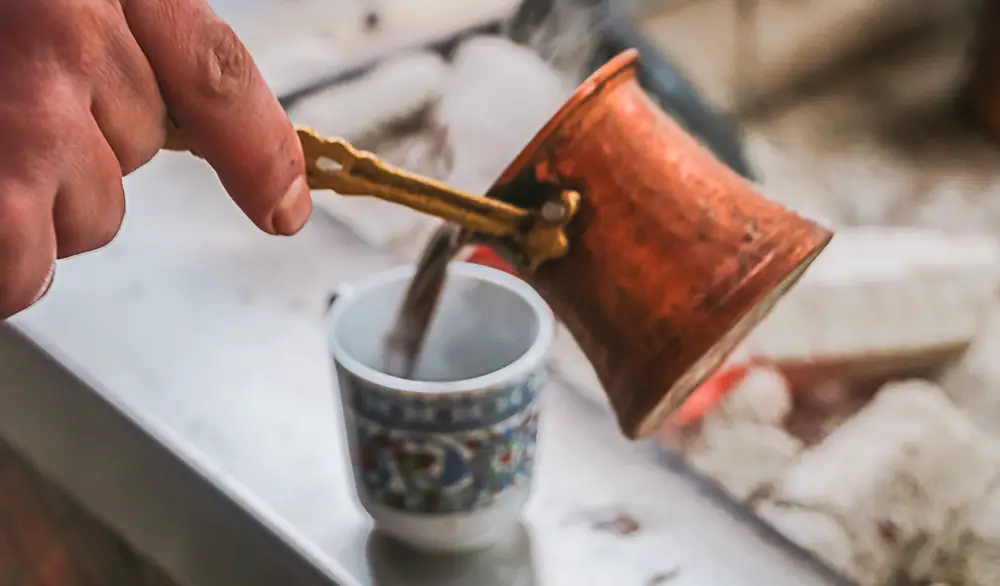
[[497, 97], [763, 398], [791, 176], [359, 110], [972, 556], [297, 43], [741, 444], [973, 381], [741, 456], [886, 301], [368, 112], [815, 531], [906, 468], [822, 408]]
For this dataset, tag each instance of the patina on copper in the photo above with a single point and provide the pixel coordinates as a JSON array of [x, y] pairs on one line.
[[673, 257], [982, 92]]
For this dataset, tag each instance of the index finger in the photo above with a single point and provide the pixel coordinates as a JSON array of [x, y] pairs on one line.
[[214, 91]]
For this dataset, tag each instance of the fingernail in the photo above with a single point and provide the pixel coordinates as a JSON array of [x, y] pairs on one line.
[[294, 209], [46, 285]]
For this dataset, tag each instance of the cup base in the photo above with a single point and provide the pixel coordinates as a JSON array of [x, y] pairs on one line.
[[452, 533]]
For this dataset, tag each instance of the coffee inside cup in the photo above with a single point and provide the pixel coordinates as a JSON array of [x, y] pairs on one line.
[[479, 327]]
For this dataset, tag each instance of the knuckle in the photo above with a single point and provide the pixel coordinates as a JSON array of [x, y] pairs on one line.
[[60, 106], [24, 272], [72, 31], [226, 69], [105, 236], [105, 229], [88, 213], [15, 237], [69, 33], [89, 238], [109, 229], [20, 295], [40, 112], [140, 148]]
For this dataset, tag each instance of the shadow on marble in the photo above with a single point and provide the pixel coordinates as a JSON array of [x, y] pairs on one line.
[[510, 563]]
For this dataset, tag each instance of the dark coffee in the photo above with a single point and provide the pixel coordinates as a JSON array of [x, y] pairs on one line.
[[406, 338]]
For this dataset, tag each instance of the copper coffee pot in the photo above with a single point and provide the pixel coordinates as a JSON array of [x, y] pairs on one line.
[[657, 257]]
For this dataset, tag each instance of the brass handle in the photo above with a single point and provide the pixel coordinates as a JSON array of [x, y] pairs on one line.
[[539, 235]]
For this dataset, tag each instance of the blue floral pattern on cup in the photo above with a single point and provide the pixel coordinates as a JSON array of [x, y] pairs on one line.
[[441, 453]]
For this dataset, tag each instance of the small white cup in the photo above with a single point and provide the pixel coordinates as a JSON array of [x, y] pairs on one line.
[[444, 463]]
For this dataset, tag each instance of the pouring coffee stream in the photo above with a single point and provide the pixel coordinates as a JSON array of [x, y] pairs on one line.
[[657, 257]]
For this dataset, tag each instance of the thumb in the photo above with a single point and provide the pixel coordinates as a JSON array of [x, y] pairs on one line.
[[213, 90]]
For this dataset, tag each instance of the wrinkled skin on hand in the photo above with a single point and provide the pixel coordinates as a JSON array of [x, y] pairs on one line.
[[85, 91]]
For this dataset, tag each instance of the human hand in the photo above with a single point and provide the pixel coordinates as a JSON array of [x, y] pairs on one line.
[[85, 91]]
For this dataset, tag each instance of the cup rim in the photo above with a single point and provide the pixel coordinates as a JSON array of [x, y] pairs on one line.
[[521, 367]]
